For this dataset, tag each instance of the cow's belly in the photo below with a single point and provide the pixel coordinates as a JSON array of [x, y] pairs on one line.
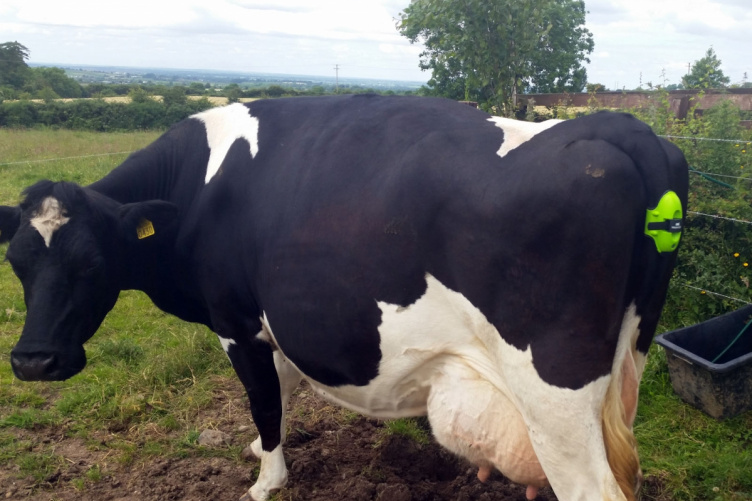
[[418, 343], [440, 357]]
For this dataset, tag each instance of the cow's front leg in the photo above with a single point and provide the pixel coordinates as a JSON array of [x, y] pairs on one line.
[[289, 379], [253, 362]]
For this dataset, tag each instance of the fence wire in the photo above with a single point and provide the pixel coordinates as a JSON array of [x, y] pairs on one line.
[[746, 142], [22, 162], [721, 175], [706, 291]]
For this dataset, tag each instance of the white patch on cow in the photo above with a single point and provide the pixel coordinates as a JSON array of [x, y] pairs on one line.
[[226, 343], [223, 127], [517, 132], [443, 339], [263, 335], [272, 475], [49, 218]]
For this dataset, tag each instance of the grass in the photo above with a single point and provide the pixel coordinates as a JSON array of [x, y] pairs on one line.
[[411, 428], [150, 375], [695, 456]]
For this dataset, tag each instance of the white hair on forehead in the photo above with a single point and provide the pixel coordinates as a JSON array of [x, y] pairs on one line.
[[48, 218]]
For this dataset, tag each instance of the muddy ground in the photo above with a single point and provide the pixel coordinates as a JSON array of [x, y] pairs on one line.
[[331, 455]]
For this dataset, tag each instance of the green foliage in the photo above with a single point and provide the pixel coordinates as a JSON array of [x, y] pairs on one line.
[[52, 79], [490, 51], [233, 93], [13, 69], [98, 115], [138, 95], [706, 73], [174, 96]]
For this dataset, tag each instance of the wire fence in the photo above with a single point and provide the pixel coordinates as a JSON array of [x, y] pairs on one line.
[[721, 175], [707, 175], [705, 291], [693, 138], [26, 162]]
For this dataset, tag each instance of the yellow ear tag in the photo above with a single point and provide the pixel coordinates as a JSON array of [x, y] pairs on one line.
[[144, 229]]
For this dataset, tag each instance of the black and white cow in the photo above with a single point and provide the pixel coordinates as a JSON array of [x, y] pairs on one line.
[[406, 256]]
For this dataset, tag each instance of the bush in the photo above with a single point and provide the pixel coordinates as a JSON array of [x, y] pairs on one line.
[[98, 115]]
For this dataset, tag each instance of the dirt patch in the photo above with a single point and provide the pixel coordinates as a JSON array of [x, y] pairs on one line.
[[331, 454]]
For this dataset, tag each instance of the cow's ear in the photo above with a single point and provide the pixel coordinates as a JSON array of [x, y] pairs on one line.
[[10, 219], [152, 220]]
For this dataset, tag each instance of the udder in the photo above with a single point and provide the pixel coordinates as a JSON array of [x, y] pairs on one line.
[[473, 419]]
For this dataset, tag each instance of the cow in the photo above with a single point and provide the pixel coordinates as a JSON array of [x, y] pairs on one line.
[[406, 256]]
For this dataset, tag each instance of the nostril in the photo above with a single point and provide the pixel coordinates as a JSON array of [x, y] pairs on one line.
[[47, 364]]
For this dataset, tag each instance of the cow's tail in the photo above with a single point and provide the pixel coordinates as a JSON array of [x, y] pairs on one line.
[[621, 445], [620, 407]]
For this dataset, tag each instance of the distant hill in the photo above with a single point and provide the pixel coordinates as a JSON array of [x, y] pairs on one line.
[[129, 75]]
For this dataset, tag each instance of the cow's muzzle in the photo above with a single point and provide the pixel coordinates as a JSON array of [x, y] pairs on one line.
[[35, 366]]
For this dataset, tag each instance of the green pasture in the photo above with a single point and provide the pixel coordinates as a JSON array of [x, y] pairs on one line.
[[150, 375]]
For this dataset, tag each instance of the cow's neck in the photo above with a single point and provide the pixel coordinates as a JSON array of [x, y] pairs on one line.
[[171, 169], [167, 283], [162, 171]]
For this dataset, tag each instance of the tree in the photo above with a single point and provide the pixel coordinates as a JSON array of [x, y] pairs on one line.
[[488, 51], [233, 93], [13, 68], [595, 87], [196, 89], [54, 79], [175, 95], [706, 73], [139, 95]]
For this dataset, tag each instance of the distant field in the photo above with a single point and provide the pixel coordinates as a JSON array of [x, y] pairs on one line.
[[215, 100]]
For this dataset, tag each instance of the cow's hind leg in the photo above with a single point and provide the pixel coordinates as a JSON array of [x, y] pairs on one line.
[[566, 429]]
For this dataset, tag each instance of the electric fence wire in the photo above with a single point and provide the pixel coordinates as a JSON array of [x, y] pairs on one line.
[[693, 138], [706, 291], [21, 162], [715, 216], [721, 175]]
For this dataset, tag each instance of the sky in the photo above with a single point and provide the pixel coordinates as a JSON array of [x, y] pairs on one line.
[[636, 41]]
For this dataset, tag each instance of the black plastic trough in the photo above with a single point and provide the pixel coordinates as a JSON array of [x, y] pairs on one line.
[[723, 388]]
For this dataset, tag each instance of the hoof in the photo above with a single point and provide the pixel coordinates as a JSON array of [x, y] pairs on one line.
[[248, 497]]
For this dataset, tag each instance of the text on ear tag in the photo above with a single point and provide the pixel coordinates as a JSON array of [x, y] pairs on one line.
[[144, 229]]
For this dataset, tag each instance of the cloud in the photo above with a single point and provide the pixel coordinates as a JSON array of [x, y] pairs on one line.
[[295, 7]]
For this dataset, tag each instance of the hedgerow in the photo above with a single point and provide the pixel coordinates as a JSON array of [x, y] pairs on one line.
[[98, 115]]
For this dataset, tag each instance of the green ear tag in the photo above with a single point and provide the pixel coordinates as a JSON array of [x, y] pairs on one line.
[[664, 223], [144, 229]]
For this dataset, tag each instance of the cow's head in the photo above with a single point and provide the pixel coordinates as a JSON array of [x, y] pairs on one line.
[[72, 250]]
